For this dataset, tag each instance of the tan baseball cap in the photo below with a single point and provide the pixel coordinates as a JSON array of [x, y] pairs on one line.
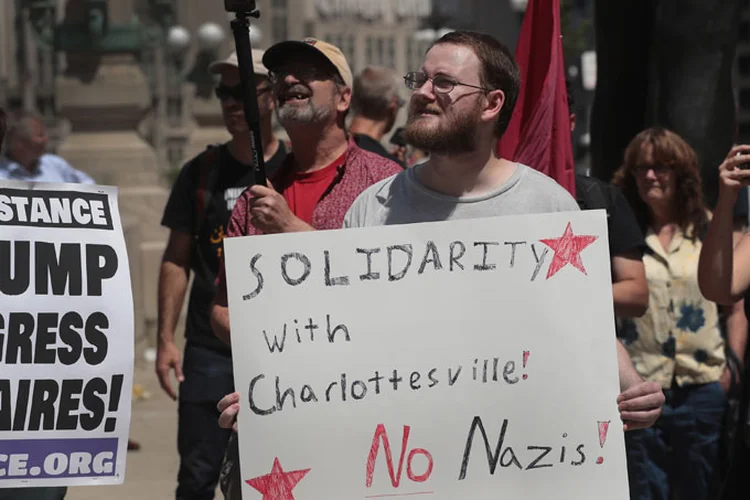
[[231, 61], [277, 54]]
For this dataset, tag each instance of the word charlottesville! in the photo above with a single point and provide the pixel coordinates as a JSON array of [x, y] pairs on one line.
[[396, 262], [266, 398]]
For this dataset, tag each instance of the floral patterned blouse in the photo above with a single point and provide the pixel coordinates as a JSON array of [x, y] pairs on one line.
[[679, 338]]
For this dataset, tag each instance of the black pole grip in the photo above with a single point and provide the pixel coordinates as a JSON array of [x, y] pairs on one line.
[[241, 31]]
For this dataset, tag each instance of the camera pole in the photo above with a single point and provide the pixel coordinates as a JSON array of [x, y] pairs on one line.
[[241, 31]]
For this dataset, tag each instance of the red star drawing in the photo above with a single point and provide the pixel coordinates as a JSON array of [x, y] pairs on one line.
[[567, 250], [278, 484]]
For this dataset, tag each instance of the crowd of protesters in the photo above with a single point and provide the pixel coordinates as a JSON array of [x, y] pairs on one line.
[[680, 270]]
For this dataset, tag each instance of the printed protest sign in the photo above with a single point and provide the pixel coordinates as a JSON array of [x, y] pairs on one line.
[[470, 359], [66, 336]]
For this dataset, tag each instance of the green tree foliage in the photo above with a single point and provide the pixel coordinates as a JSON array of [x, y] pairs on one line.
[[576, 32]]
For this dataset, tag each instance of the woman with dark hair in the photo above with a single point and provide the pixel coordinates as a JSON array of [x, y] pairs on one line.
[[679, 342]]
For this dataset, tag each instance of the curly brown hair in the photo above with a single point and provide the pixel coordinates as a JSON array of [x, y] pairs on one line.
[[670, 150]]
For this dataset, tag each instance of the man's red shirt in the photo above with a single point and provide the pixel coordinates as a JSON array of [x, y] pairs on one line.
[[303, 190]]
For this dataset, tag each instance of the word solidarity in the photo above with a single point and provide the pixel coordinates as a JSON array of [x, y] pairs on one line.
[[397, 262], [54, 209]]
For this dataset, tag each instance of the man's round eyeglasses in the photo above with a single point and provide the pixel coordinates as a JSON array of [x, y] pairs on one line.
[[440, 83]]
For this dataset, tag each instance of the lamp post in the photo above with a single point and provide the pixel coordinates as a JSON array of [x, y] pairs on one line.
[[177, 106], [519, 5], [210, 37]]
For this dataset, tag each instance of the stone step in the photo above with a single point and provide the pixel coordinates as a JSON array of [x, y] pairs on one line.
[[146, 205], [114, 158]]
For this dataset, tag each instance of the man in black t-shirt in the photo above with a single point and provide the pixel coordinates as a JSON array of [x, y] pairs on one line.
[[375, 102], [626, 247], [626, 244], [626, 241], [197, 213]]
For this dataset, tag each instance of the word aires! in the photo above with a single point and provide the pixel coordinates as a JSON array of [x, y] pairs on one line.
[[54, 405]]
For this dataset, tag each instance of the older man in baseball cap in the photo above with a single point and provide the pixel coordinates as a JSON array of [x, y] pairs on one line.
[[320, 178]]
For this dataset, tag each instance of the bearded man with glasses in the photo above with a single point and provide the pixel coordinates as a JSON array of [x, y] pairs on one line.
[[463, 99], [196, 214]]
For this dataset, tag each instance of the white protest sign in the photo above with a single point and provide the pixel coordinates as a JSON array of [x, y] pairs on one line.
[[66, 336], [469, 359]]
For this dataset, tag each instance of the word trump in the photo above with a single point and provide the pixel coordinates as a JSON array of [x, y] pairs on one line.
[[56, 269]]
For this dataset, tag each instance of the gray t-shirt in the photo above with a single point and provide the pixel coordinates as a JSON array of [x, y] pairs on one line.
[[403, 199]]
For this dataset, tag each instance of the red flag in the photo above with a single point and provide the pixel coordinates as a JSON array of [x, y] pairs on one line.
[[539, 131]]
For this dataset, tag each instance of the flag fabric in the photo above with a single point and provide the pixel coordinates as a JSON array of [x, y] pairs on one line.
[[539, 131]]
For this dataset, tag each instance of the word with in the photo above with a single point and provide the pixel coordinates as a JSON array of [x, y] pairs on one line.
[[50, 338], [54, 209], [279, 342], [79, 463], [535, 458], [394, 263], [344, 390], [382, 435], [63, 269], [54, 405]]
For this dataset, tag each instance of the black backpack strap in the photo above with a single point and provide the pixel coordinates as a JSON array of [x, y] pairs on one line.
[[205, 177], [594, 194]]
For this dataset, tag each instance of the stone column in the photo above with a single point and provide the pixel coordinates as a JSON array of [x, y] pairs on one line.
[[668, 63], [104, 97]]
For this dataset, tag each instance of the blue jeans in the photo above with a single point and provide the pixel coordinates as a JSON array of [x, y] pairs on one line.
[[681, 451], [200, 441]]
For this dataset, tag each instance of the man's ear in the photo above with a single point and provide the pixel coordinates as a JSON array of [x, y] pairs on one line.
[[495, 103], [345, 99]]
